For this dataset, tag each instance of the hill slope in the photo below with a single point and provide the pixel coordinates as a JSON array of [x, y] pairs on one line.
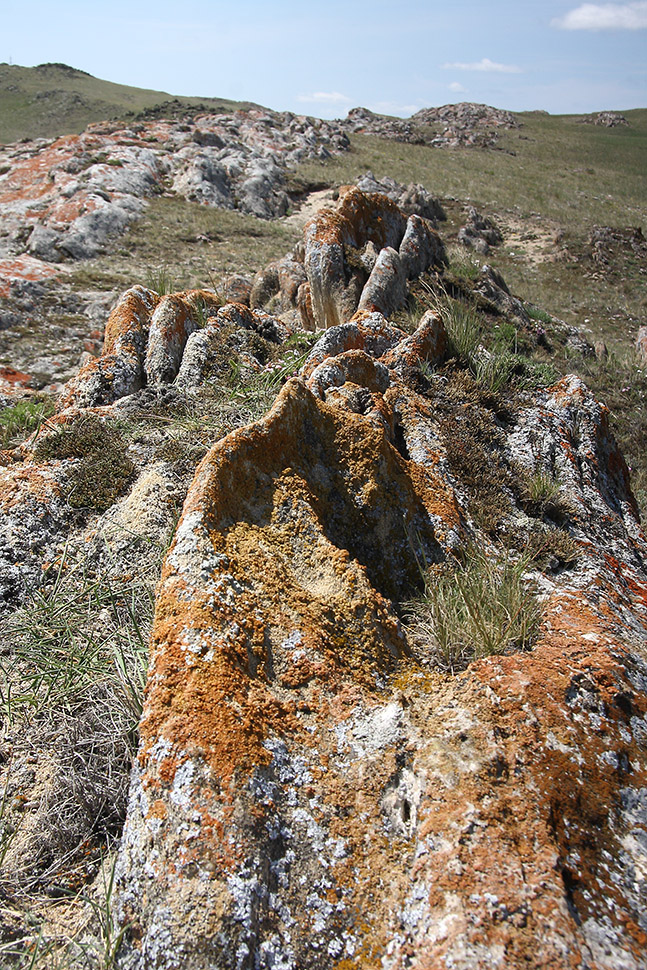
[[55, 99]]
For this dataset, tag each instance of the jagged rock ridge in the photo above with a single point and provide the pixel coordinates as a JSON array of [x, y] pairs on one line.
[[311, 790]]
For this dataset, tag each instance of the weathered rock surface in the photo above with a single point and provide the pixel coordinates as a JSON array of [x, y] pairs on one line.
[[69, 197], [311, 790], [493, 287], [412, 199], [336, 242], [308, 788]]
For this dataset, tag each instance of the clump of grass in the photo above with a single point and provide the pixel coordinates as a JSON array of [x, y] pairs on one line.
[[160, 280], [541, 494], [552, 549], [203, 310], [103, 468], [252, 392], [462, 325], [493, 370], [463, 264], [20, 419], [73, 672], [536, 313], [481, 608]]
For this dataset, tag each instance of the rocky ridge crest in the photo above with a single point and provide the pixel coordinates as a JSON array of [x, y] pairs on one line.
[[312, 789]]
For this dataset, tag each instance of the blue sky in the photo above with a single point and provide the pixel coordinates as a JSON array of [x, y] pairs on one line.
[[322, 59]]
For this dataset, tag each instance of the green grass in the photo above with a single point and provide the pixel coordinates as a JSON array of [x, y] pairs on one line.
[[481, 608], [54, 99], [599, 179], [72, 673], [19, 420], [186, 245]]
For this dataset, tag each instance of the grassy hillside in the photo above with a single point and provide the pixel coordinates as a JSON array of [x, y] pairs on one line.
[[54, 99]]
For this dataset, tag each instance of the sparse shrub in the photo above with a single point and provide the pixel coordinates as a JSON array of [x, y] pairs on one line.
[[552, 549], [481, 608], [103, 468]]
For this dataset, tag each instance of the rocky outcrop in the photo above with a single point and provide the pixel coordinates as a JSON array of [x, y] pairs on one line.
[[152, 341], [450, 126], [367, 122], [479, 232], [308, 786], [68, 198], [360, 254], [606, 119], [607, 242], [465, 124], [412, 199], [493, 287], [313, 787]]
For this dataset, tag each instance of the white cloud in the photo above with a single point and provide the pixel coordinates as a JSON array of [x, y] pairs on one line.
[[393, 108], [324, 97], [485, 65], [604, 16], [457, 87]]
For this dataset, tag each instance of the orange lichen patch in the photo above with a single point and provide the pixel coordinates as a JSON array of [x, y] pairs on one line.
[[25, 268], [357, 219], [428, 343], [12, 380], [277, 510], [128, 322], [519, 828], [65, 211], [21, 482]]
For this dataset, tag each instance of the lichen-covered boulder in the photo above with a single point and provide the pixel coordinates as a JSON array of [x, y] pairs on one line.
[[427, 345], [309, 788], [386, 288], [367, 331], [120, 369], [493, 287], [174, 319], [357, 219], [421, 248], [273, 606]]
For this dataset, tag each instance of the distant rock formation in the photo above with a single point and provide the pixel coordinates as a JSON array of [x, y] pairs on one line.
[[67, 198], [606, 119], [463, 125]]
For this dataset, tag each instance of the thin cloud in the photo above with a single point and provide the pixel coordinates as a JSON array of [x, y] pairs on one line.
[[324, 97], [604, 16], [393, 108], [484, 65], [457, 87]]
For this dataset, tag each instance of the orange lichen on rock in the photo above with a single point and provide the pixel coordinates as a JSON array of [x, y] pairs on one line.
[[24, 268]]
